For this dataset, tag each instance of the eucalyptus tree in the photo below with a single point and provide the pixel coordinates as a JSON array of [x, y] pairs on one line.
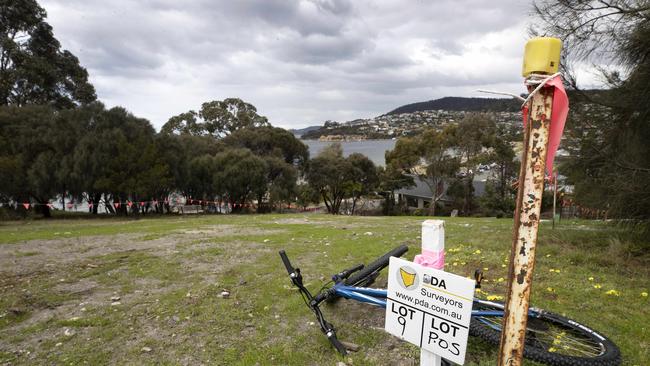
[[430, 158], [474, 136], [285, 156], [239, 175], [216, 118], [33, 67], [364, 178], [329, 175], [200, 180], [281, 183], [335, 178], [118, 159], [306, 195], [391, 179], [27, 156], [267, 140]]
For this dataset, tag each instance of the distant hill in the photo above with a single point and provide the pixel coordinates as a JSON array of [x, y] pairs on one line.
[[461, 104], [302, 131]]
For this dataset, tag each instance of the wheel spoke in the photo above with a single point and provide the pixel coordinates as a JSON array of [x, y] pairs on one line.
[[555, 339]]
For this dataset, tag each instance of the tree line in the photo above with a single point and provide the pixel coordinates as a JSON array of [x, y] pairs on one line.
[[110, 156], [104, 155]]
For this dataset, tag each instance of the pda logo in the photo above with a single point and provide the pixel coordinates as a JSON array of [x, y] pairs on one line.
[[407, 277]]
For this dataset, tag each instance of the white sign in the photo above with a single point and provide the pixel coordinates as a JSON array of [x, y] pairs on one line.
[[429, 308]]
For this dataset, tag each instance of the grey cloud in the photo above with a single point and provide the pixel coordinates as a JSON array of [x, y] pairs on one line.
[[318, 48], [300, 62]]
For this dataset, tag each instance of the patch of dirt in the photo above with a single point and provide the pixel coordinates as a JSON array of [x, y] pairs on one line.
[[230, 230], [62, 258], [69, 250], [343, 223], [211, 267], [296, 220], [82, 287]]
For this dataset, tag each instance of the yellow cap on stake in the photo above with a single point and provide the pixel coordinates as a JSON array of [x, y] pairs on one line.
[[542, 55]]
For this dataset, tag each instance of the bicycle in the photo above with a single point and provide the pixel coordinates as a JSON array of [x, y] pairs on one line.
[[550, 338]]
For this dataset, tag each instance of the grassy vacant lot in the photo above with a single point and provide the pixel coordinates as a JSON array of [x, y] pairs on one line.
[[60, 282]]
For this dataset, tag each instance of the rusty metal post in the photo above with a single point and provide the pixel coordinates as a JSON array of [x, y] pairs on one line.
[[529, 202], [554, 195]]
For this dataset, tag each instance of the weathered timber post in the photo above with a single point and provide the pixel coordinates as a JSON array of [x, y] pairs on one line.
[[529, 201]]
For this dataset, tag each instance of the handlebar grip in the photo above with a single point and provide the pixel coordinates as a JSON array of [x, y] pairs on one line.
[[286, 262], [337, 344]]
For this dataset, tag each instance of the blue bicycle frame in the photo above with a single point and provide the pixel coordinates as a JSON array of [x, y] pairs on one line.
[[485, 316], [377, 297]]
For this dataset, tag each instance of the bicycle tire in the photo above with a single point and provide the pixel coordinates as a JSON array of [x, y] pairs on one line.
[[367, 275], [547, 340]]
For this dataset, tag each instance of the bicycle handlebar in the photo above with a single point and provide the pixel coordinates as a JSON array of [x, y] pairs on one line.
[[313, 303], [286, 262]]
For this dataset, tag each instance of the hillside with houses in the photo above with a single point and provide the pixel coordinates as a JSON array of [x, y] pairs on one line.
[[415, 118]]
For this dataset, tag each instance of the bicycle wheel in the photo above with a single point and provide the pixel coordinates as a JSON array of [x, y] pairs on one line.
[[367, 275], [550, 338]]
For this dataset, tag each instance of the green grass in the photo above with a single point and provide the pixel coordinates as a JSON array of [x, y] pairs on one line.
[[56, 307]]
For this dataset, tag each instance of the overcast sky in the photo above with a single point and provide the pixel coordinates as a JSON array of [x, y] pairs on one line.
[[299, 62]]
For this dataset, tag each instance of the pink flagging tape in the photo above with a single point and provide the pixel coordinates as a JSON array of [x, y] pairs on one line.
[[558, 119], [431, 259]]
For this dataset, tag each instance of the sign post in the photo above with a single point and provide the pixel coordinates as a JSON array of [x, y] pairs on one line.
[[541, 59], [433, 256], [429, 307]]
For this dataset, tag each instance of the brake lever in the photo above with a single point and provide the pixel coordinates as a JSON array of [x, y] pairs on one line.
[[296, 277], [478, 277], [346, 273], [331, 335], [330, 332]]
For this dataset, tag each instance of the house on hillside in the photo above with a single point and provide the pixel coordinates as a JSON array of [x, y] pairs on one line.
[[419, 196]]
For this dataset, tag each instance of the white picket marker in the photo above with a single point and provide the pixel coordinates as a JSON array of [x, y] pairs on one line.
[[433, 256]]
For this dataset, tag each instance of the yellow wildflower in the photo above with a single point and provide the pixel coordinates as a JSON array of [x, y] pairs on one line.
[[455, 263], [613, 292], [552, 349], [597, 286], [478, 251], [591, 278], [463, 263], [501, 280], [503, 266], [644, 294], [550, 289], [494, 297], [548, 256], [486, 269], [557, 271]]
